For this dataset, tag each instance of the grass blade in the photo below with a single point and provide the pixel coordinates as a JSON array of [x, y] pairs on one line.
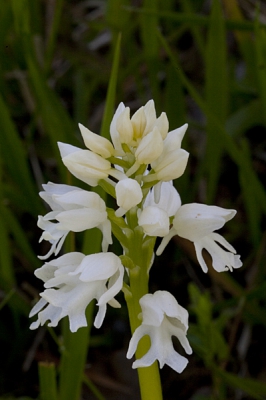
[[15, 159], [111, 92], [232, 149], [216, 94]]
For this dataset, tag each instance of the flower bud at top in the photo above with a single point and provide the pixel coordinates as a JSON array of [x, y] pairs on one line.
[[124, 126], [113, 130], [150, 147], [138, 121], [163, 124], [150, 113], [96, 143]]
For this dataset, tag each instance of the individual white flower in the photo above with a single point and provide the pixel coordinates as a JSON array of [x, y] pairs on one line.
[[172, 162], [161, 203], [132, 130], [85, 165], [197, 223], [163, 125], [128, 195], [150, 147], [96, 143], [71, 282], [139, 122], [75, 210], [114, 132], [162, 318], [124, 127], [151, 121], [154, 221]]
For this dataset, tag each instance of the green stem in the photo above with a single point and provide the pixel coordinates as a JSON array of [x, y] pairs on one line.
[[149, 377], [47, 377]]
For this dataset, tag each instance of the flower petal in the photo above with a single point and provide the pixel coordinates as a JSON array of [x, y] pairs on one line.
[[154, 221], [193, 221], [96, 143]]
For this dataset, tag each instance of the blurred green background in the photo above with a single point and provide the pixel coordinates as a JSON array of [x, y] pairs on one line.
[[203, 62]]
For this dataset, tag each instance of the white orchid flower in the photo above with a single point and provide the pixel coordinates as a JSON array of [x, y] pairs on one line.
[[172, 162], [197, 223], [96, 143], [75, 210], [128, 195], [124, 127], [71, 282], [150, 147], [114, 132], [132, 131], [162, 318], [85, 165], [161, 203]]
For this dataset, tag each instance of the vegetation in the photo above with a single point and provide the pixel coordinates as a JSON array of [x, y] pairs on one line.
[[65, 62]]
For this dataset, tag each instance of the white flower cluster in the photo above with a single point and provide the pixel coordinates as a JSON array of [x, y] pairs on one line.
[[137, 168]]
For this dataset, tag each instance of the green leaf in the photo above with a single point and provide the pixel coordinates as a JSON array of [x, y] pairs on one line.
[[148, 27], [15, 158], [231, 147], [260, 54], [216, 95], [252, 387], [244, 118], [6, 266], [21, 16], [58, 5], [47, 377], [253, 213], [111, 92], [19, 236], [55, 119]]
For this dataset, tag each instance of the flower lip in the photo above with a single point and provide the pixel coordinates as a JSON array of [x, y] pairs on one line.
[[193, 221], [163, 318], [71, 282], [75, 210]]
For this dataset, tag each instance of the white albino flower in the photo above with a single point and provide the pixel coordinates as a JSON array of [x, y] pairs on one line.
[[132, 130], [150, 147], [172, 162], [161, 203], [128, 195], [114, 132], [84, 164], [162, 318], [151, 121], [139, 121], [74, 210], [71, 282], [197, 223], [124, 127], [96, 143]]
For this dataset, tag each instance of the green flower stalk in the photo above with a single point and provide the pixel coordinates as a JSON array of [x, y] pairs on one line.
[[137, 169]]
